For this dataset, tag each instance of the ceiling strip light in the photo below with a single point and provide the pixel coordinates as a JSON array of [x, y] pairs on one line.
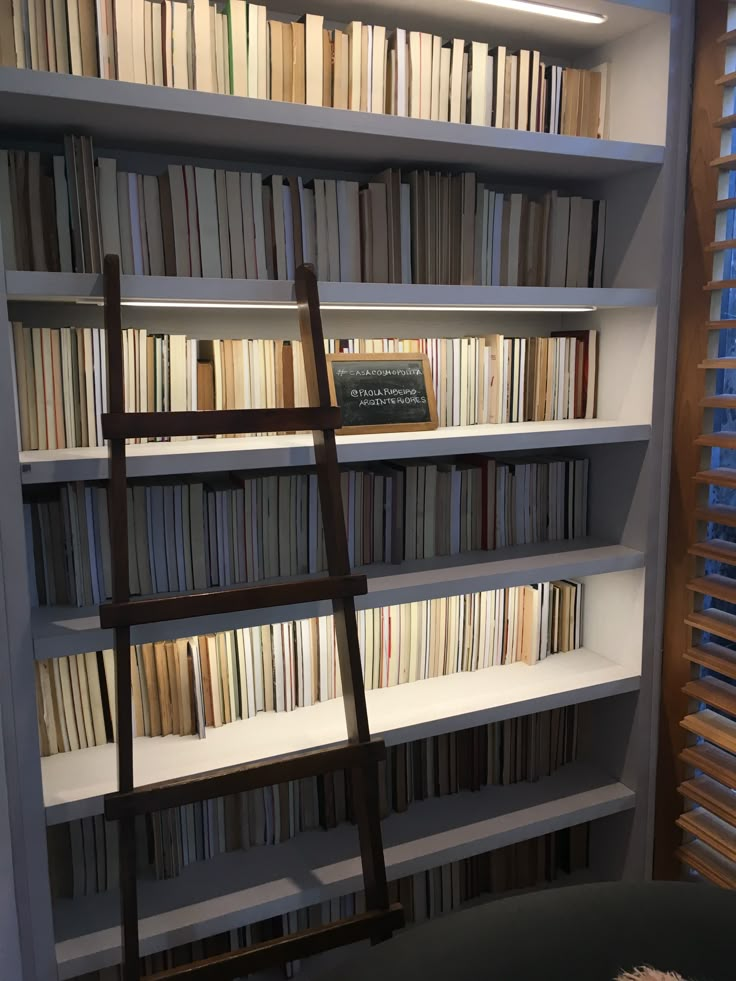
[[547, 10], [363, 308]]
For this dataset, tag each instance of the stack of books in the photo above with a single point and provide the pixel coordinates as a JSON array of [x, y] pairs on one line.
[[195, 534], [499, 754], [61, 377], [63, 213], [424, 895], [237, 49], [186, 685]]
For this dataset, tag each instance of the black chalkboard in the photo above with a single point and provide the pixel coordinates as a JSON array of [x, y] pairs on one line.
[[383, 392]]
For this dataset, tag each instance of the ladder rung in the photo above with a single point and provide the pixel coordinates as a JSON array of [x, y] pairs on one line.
[[719, 587], [728, 38], [378, 924], [713, 622], [708, 863], [728, 79], [717, 549], [160, 609], [718, 694], [720, 324], [142, 425], [724, 204], [719, 477], [714, 657], [713, 761], [237, 779]]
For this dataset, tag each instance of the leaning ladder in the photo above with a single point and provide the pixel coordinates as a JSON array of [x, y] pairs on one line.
[[360, 753]]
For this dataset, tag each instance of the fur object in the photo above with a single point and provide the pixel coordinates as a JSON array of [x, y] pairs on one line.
[[649, 974]]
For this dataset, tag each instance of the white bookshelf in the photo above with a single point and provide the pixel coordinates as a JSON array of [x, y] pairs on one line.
[[277, 452], [250, 886], [59, 631], [613, 677], [75, 783], [124, 114], [80, 287]]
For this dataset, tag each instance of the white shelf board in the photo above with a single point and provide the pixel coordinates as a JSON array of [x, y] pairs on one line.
[[75, 783], [245, 887], [275, 452], [124, 114], [59, 631], [73, 287]]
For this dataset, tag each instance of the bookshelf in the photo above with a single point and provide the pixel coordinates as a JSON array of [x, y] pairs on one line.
[[309, 868], [274, 453], [613, 677], [61, 631], [197, 121]]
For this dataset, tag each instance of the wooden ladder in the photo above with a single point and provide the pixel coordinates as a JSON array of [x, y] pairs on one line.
[[360, 753]]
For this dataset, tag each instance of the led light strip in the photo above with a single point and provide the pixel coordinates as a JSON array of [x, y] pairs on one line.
[[547, 10], [365, 307]]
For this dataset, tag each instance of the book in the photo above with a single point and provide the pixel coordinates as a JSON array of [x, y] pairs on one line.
[[183, 224]]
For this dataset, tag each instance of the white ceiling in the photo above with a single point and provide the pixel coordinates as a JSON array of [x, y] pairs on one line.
[[478, 21]]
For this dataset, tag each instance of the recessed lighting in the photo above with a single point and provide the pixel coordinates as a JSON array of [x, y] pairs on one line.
[[547, 10]]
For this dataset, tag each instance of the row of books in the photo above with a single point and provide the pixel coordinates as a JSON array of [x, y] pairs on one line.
[[61, 377], [499, 754], [239, 50], [66, 212], [237, 528], [184, 686], [424, 895]]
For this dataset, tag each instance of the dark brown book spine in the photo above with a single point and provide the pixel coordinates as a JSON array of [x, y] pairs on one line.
[[287, 370], [167, 225]]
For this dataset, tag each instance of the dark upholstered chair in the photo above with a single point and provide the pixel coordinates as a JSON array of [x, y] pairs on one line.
[[576, 933]]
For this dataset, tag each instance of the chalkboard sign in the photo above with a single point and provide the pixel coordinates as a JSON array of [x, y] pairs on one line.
[[382, 392]]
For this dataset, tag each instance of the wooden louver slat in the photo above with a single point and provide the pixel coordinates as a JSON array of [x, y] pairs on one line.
[[717, 549], [719, 364], [723, 441], [718, 477], [718, 402], [711, 830], [719, 587], [726, 122], [719, 514], [714, 657], [725, 244], [713, 727], [725, 204], [714, 692], [725, 163], [712, 796], [708, 863], [713, 761], [729, 37], [714, 622], [720, 324], [728, 79]]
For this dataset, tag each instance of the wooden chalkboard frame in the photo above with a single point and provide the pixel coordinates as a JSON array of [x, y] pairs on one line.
[[398, 427]]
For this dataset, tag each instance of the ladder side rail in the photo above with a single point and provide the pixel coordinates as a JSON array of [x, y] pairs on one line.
[[118, 510]]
